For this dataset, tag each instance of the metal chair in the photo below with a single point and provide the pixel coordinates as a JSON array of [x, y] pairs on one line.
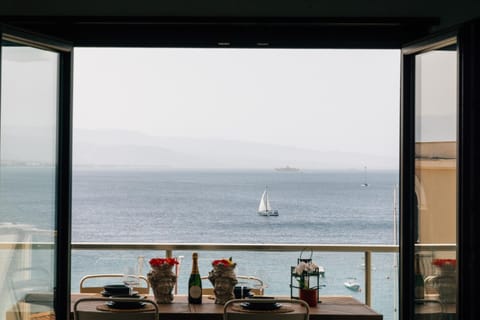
[[232, 310], [256, 284], [145, 289], [90, 312]]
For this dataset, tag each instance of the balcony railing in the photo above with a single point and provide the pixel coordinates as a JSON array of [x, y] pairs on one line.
[[169, 248]]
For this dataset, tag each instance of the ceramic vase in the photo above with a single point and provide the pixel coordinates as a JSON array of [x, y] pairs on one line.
[[223, 279], [162, 281], [446, 284]]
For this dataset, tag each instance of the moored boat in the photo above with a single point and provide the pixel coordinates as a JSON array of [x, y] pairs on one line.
[[352, 284]]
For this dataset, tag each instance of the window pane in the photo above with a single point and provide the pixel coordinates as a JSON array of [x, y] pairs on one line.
[[435, 180], [27, 178]]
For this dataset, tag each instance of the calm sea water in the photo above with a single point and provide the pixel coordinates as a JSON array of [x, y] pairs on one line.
[[318, 207]]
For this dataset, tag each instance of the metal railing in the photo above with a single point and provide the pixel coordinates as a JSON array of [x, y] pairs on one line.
[[170, 247]]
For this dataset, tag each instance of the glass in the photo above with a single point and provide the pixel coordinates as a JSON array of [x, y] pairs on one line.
[[28, 154], [436, 97]]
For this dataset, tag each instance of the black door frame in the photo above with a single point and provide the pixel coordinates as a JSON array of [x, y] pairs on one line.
[[468, 238], [468, 169]]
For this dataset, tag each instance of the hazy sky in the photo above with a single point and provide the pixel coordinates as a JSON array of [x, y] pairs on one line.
[[342, 100]]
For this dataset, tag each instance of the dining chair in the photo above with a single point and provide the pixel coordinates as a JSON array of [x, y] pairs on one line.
[[256, 284], [94, 309], [290, 309], [144, 289]]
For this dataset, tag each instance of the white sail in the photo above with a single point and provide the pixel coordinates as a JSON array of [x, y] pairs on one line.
[[264, 208], [264, 203]]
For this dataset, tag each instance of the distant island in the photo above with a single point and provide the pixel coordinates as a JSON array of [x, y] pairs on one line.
[[287, 169]]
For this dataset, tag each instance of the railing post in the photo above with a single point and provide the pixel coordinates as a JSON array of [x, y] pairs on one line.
[[168, 253], [368, 278]]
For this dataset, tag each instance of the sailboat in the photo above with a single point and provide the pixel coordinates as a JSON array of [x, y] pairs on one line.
[[264, 208], [365, 183]]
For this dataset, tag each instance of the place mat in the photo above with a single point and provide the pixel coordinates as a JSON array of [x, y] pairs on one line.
[[147, 307], [282, 309], [345, 300], [49, 315]]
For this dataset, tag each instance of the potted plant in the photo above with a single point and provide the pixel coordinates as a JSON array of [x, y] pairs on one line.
[[162, 278], [303, 272]]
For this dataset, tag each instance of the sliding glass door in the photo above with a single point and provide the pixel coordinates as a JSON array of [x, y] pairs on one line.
[[430, 187], [32, 104]]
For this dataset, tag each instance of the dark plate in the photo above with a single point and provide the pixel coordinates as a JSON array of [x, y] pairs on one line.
[[116, 288], [120, 295], [260, 305], [125, 305]]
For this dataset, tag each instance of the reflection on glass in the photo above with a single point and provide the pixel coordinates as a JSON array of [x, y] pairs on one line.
[[27, 179], [435, 181]]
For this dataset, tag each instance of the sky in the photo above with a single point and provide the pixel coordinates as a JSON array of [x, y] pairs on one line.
[[318, 99]]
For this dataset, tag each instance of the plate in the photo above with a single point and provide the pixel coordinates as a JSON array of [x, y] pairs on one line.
[[125, 305], [120, 295], [260, 305]]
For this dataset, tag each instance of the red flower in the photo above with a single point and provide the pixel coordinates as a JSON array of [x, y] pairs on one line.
[[155, 262], [224, 262], [444, 262]]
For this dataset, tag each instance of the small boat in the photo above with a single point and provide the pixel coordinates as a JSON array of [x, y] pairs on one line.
[[365, 183], [264, 208], [352, 284]]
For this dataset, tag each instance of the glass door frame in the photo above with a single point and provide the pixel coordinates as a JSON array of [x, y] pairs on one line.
[[407, 167], [468, 170], [64, 167]]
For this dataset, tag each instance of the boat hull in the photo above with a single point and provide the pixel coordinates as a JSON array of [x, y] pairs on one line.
[[270, 213], [352, 286]]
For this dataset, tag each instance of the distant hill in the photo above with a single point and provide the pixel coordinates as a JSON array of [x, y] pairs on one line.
[[124, 148], [132, 149]]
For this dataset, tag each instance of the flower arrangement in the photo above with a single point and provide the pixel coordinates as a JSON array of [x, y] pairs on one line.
[[224, 262], [158, 262], [162, 278], [445, 266], [302, 273], [445, 263]]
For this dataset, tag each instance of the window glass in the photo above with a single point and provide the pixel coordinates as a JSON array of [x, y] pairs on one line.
[[29, 82], [435, 180]]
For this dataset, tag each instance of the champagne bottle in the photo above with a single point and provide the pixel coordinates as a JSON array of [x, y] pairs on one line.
[[419, 282], [195, 283]]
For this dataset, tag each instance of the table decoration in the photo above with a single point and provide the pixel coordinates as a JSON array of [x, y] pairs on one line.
[[446, 280], [162, 278], [307, 275], [223, 279]]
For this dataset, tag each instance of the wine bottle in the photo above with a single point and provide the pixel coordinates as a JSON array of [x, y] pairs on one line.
[[195, 283], [419, 282]]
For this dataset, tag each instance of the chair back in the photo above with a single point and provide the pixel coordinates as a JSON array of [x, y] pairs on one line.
[[87, 309], [293, 310], [256, 284], [144, 289]]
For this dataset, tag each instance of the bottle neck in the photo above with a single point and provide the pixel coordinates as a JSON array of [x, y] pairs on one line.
[[195, 265]]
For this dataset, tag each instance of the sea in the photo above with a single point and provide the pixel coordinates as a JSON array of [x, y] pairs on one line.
[[139, 205]]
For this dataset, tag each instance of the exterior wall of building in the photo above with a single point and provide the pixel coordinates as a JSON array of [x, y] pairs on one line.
[[436, 190]]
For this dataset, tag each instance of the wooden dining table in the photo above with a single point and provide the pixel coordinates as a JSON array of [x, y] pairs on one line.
[[331, 308]]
